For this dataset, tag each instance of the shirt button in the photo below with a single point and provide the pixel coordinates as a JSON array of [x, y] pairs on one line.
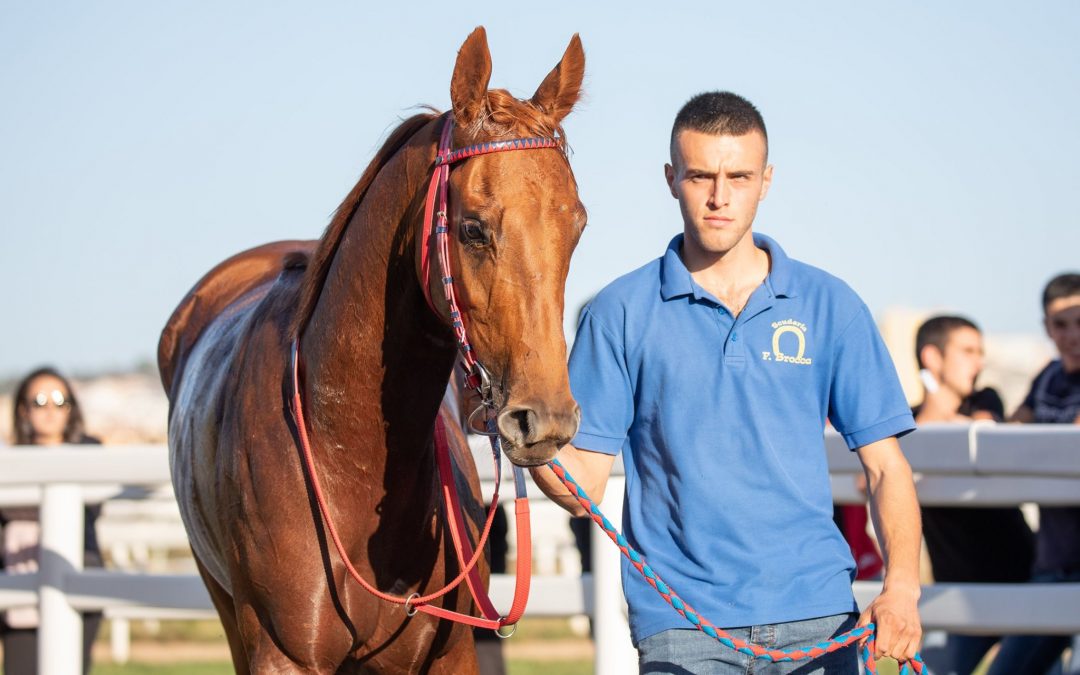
[[734, 337]]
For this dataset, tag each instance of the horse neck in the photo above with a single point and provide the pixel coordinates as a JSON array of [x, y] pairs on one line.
[[376, 359]]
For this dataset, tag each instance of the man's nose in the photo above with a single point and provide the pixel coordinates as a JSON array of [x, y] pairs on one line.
[[719, 195]]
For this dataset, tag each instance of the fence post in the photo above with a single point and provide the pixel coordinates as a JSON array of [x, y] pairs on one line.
[[120, 629], [615, 655], [60, 647]]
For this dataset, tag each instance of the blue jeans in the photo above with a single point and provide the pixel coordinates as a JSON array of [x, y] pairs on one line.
[[691, 652], [959, 654], [1033, 654]]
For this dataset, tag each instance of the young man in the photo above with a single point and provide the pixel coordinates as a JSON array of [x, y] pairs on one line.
[[1054, 399], [949, 350], [984, 545], [713, 370]]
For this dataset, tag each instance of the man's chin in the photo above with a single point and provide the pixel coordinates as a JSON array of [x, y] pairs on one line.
[[714, 241]]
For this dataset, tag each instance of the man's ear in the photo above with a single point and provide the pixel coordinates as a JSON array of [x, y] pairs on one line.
[[932, 359], [669, 175], [766, 181]]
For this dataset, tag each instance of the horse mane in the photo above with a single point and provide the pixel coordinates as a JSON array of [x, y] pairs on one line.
[[505, 116], [319, 264]]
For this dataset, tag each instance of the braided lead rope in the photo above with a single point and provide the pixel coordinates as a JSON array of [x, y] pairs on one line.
[[703, 624]]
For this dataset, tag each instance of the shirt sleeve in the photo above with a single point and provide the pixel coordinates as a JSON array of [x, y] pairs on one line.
[[601, 386], [866, 403]]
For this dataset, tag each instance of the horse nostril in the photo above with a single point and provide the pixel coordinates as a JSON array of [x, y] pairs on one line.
[[518, 424]]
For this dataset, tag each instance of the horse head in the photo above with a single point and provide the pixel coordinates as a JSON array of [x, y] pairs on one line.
[[514, 219]]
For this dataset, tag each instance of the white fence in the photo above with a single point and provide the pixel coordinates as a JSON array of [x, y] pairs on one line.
[[976, 465]]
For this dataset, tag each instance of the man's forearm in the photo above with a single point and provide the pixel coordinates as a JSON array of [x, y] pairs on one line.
[[589, 469], [894, 508]]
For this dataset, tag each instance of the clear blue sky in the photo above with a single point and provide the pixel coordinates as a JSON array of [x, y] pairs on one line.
[[927, 155]]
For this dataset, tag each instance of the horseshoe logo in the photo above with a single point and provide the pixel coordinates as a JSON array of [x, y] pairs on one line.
[[799, 358]]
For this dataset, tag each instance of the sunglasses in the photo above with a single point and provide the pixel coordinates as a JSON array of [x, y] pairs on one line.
[[45, 398]]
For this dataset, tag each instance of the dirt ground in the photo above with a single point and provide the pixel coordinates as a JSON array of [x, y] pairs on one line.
[[147, 651]]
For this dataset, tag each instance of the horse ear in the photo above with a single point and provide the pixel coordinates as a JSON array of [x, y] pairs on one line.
[[468, 88], [561, 89]]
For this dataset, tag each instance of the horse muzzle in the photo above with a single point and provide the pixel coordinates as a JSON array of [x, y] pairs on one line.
[[532, 433]]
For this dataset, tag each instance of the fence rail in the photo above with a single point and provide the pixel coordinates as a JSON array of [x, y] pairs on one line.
[[975, 465]]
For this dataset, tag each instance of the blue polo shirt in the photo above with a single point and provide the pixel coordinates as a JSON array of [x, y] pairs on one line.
[[721, 422]]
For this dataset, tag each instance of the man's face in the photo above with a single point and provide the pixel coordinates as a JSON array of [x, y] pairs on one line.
[[962, 361], [718, 181], [1063, 327]]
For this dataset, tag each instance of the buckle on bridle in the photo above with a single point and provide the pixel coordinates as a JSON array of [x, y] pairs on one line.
[[479, 380], [482, 383], [410, 609], [487, 429], [511, 626]]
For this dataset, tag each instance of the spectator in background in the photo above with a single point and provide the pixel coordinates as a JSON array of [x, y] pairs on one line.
[[1054, 399], [46, 413], [981, 545]]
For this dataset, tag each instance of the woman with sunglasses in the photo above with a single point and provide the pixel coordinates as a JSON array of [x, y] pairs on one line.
[[46, 413]]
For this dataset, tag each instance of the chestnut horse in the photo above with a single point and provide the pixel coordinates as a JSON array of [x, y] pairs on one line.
[[375, 360]]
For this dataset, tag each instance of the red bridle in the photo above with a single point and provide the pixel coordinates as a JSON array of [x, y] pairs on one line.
[[476, 377], [475, 374]]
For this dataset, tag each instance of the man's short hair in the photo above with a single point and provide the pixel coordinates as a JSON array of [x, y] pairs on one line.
[[936, 330], [719, 113], [1062, 286]]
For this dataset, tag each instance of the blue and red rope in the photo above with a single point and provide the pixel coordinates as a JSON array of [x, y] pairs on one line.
[[703, 624]]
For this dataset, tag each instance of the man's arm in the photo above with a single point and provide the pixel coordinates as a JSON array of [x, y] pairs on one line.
[[590, 469], [895, 512]]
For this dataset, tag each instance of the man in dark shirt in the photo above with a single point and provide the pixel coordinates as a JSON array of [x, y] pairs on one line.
[[1054, 399], [965, 544]]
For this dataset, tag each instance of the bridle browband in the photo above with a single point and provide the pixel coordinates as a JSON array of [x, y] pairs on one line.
[[477, 378]]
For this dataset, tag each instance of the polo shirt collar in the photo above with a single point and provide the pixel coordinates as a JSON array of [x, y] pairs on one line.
[[675, 279]]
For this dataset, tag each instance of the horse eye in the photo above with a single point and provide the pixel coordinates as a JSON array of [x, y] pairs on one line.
[[472, 232]]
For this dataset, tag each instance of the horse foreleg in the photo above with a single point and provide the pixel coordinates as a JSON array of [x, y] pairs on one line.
[[227, 612]]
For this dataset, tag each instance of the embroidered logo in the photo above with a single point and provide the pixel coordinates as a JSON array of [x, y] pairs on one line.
[[779, 343]]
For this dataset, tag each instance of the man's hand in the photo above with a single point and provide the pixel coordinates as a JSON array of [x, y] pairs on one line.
[[895, 615], [589, 469]]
